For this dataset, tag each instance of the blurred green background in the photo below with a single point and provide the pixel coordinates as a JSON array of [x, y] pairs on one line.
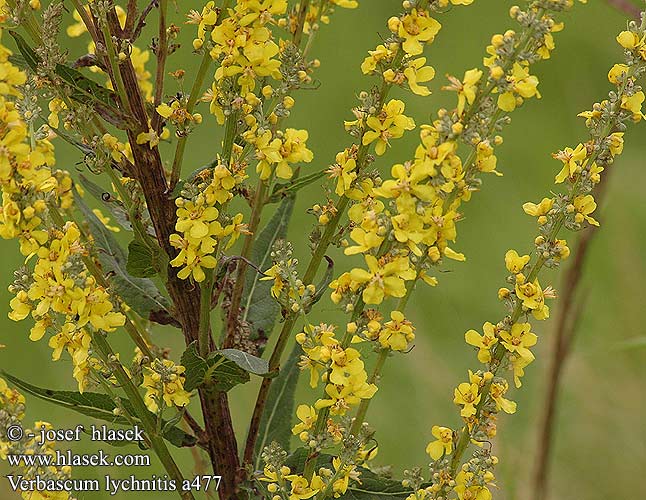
[[600, 449]]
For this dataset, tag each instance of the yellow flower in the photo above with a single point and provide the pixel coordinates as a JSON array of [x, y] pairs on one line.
[[346, 4], [572, 161], [417, 73], [383, 279], [390, 123], [519, 340], [151, 138], [301, 487], [523, 85], [468, 396], [617, 72], [443, 445], [307, 416], [398, 333], [533, 298], [346, 364], [377, 56], [633, 104], [207, 18], [584, 206], [164, 382], [343, 171], [629, 40], [497, 391], [484, 342], [514, 262], [468, 489], [466, 88], [293, 149], [259, 12], [539, 210], [415, 28]]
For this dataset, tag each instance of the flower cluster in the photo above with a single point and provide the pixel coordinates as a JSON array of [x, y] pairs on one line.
[[201, 221], [64, 300], [164, 385]]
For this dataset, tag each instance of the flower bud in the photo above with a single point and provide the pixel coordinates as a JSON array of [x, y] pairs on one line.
[[393, 24]]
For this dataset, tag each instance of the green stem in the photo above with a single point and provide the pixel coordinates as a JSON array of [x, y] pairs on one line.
[[206, 288], [113, 59], [192, 100], [365, 403]]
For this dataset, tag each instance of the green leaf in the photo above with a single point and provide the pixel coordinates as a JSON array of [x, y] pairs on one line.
[[276, 422], [222, 370], [260, 310], [91, 404], [322, 287], [223, 374], [195, 366], [632, 343], [374, 487], [30, 58], [83, 89], [96, 405], [140, 260], [290, 188], [140, 294], [247, 362]]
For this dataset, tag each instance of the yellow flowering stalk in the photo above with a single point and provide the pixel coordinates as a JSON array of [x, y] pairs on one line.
[[507, 345], [377, 122]]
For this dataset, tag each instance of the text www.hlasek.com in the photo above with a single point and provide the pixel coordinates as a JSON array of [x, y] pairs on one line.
[[69, 459]]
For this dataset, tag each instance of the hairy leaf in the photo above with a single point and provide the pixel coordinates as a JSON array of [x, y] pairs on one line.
[[140, 294], [246, 361], [96, 405], [222, 370], [223, 374], [195, 366], [259, 309], [140, 260]]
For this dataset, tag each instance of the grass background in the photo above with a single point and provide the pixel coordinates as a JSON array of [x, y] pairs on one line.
[[600, 449]]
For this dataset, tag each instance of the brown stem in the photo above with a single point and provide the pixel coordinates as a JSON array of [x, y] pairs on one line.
[[130, 18], [162, 53], [627, 7], [149, 172], [219, 427], [565, 331]]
